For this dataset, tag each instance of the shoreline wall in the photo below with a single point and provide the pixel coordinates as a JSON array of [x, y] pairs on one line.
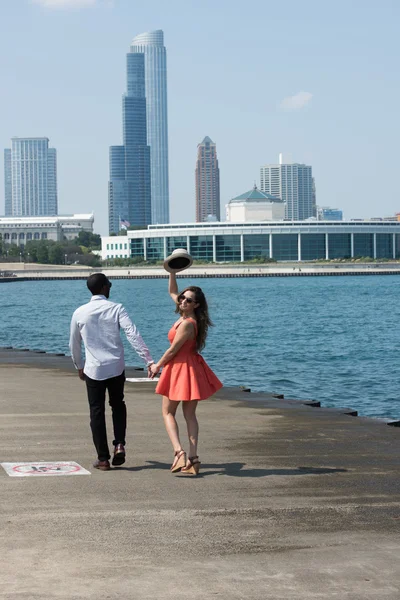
[[49, 272], [42, 359]]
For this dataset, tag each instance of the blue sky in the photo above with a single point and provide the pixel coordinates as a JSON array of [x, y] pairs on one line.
[[316, 80]]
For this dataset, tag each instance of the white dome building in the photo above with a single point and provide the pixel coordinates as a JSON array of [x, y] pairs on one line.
[[255, 205]]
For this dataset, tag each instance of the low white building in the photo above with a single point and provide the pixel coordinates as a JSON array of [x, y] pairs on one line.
[[19, 230], [115, 246], [71, 225], [255, 205]]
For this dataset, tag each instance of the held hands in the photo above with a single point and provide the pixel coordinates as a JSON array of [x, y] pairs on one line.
[[153, 370]]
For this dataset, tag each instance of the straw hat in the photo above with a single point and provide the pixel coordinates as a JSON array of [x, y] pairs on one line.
[[179, 260]]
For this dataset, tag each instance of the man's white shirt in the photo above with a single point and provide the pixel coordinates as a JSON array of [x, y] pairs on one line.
[[98, 325]]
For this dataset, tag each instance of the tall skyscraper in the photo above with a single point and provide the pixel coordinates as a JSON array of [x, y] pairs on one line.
[[30, 178], [151, 45], [293, 183], [7, 183], [207, 182], [129, 189]]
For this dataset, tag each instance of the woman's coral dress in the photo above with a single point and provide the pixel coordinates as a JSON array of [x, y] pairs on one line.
[[187, 376]]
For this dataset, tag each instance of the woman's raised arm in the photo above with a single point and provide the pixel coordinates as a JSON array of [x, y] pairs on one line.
[[173, 287]]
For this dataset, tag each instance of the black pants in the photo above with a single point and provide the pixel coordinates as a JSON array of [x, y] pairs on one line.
[[96, 391]]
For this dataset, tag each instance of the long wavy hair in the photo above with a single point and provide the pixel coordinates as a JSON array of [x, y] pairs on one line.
[[201, 314]]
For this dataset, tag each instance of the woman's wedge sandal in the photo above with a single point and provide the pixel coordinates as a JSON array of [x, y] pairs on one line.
[[193, 466], [179, 461]]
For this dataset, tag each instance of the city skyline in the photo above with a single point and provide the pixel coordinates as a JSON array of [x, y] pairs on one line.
[[320, 107], [30, 178], [207, 181]]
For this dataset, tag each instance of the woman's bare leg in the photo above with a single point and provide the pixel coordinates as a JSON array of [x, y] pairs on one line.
[[169, 408], [189, 412]]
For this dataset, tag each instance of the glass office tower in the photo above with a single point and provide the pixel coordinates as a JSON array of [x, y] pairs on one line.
[[129, 190], [30, 178], [7, 183], [151, 45]]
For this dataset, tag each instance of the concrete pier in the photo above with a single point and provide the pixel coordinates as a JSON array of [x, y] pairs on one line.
[[292, 502]]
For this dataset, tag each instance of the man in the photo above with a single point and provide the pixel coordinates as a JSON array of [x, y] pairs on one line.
[[98, 325]]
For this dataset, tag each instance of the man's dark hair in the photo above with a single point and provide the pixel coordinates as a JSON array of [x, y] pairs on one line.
[[97, 282]]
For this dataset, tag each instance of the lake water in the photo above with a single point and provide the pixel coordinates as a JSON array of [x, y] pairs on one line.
[[334, 339]]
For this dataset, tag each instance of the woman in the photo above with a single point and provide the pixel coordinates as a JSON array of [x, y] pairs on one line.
[[186, 377]]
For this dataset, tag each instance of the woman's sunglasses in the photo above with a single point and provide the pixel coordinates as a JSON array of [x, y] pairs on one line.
[[188, 300]]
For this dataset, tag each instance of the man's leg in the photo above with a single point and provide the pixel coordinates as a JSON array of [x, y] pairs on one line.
[[96, 391], [115, 387]]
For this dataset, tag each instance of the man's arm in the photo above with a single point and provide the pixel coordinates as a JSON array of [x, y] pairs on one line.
[[134, 337], [75, 346]]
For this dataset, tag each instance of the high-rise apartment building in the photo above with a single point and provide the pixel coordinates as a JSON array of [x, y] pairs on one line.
[[129, 188], [207, 182], [30, 178], [151, 45], [293, 183]]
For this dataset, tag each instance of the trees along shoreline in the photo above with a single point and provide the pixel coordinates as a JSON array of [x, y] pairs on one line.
[[66, 252]]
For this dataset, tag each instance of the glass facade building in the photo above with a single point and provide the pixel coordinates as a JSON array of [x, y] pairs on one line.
[[176, 242], [30, 178], [7, 183], [364, 244], [151, 46], [129, 188], [137, 248], [202, 247], [285, 247], [255, 246], [384, 245], [227, 248], [313, 246], [339, 245], [155, 249], [226, 242]]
